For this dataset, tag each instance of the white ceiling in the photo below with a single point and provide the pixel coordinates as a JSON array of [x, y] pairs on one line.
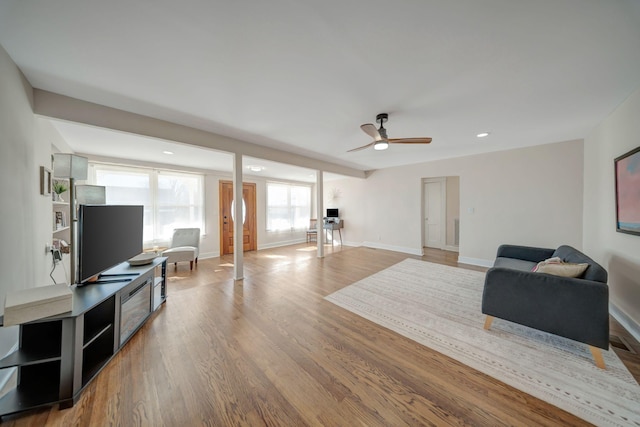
[[117, 147], [303, 75]]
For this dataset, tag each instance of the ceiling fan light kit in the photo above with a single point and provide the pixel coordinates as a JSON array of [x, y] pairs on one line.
[[379, 135], [381, 145]]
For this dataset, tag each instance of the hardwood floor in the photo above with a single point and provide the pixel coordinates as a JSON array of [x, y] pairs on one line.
[[270, 351]]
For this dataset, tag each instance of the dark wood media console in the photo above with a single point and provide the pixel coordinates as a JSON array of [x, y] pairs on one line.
[[59, 355]]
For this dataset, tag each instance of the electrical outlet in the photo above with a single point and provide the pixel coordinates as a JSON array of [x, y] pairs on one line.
[[47, 248]]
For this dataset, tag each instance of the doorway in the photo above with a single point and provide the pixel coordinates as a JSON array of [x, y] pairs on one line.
[[434, 196], [441, 212], [249, 239]]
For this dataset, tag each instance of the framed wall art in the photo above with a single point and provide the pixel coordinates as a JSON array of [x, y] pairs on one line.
[[627, 169]]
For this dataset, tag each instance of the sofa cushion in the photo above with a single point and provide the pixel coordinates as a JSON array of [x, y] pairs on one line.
[[594, 271], [565, 269], [516, 264]]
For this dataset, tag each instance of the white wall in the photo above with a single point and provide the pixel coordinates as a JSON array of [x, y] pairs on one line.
[[529, 196], [25, 215], [453, 209], [618, 252]]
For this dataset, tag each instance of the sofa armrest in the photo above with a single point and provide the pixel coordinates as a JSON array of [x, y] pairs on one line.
[[573, 308], [526, 253]]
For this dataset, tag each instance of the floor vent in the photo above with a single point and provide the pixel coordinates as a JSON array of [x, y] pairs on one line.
[[620, 343]]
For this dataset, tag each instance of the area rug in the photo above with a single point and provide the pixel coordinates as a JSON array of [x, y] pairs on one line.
[[440, 307]]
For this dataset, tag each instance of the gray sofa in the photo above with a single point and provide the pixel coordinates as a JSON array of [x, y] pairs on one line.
[[575, 308]]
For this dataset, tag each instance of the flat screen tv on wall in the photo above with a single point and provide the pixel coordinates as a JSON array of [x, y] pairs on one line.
[[627, 169], [107, 236]]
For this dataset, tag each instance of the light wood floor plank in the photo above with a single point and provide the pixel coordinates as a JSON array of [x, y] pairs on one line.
[[269, 350]]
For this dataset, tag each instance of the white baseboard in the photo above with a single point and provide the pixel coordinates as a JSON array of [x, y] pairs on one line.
[[627, 322], [209, 255], [282, 243], [411, 251], [475, 261]]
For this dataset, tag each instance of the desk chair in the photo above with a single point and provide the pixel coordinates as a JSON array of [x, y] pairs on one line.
[[312, 232]]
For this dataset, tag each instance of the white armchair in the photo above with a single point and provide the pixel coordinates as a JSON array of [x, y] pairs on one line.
[[185, 246]]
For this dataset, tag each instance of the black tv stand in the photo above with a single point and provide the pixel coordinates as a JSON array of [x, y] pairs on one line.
[[117, 275], [60, 355], [100, 282]]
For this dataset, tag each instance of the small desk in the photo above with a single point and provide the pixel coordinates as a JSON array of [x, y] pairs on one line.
[[333, 224]]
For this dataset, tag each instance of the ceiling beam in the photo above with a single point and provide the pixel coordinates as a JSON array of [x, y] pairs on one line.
[[56, 106]]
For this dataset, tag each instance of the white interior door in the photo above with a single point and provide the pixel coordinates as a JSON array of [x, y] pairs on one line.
[[434, 212]]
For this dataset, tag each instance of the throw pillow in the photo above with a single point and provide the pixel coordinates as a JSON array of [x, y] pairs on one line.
[[565, 269], [554, 260]]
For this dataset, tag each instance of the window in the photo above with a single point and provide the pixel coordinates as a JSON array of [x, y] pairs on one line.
[[288, 206], [170, 199]]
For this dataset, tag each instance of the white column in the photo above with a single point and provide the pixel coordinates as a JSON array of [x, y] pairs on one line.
[[237, 223], [319, 211]]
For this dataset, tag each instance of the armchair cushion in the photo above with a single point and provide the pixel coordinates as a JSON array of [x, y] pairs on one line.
[[185, 237], [185, 246]]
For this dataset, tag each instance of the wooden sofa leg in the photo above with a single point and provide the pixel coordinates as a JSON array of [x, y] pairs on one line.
[[487, 322], [191, 265], [597, 356]]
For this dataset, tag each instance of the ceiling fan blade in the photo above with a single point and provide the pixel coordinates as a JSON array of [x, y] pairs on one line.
[[372, 131], [362, 148], [409, 141]]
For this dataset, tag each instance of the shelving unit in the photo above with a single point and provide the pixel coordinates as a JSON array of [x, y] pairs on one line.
[[98, 338], [38, 362], [160, 286], [65, 209], [60, 355], [62, 232]]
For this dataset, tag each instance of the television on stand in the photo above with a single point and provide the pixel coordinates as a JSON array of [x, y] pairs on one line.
[[107, 236], [332, 213]]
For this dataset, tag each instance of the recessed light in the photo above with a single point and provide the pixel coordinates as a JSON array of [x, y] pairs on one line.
[[482, 134], [167, 152], [255, 168]]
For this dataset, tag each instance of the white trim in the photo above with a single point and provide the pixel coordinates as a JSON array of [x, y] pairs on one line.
[[410, 251], [205, 255], [475, 261], [626, 321], [281, 243]]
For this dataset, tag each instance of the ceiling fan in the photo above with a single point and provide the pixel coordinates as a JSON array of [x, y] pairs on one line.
[[380, 140]]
